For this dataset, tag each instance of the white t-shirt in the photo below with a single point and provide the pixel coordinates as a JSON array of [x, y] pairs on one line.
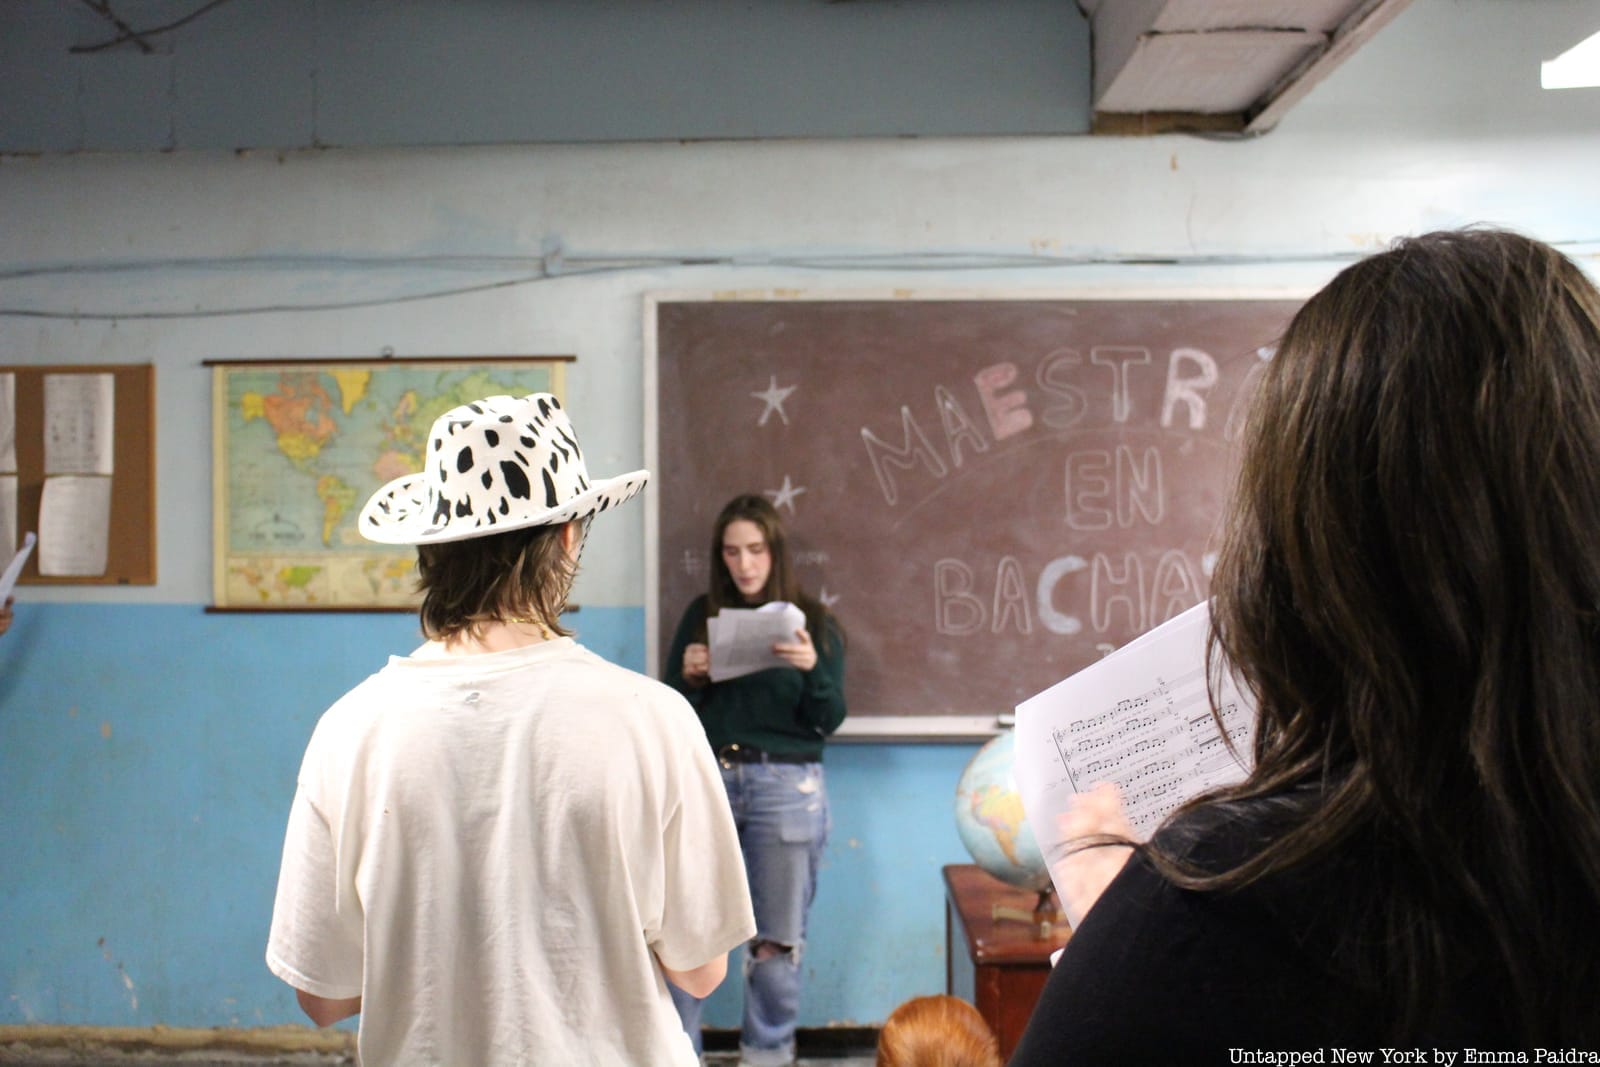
[[488, 849]]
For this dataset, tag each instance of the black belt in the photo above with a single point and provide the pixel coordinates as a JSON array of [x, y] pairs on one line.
[[728, 755]]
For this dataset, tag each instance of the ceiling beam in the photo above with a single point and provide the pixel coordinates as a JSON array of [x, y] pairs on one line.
[[1218, 65], [1355, 31]]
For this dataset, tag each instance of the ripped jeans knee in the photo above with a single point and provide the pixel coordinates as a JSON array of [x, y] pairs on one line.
[[760, 950], [771, 1002]]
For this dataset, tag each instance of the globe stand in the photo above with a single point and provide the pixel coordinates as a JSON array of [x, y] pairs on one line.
[[1044, 915]]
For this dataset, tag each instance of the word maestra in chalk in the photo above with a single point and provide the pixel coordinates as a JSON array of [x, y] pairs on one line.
[[1072, 390]]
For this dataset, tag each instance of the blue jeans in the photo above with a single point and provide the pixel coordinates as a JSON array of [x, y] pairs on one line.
[[781, 811]]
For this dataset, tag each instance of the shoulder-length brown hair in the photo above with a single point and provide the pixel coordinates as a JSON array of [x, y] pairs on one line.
[[520, 574], [1409, 584]]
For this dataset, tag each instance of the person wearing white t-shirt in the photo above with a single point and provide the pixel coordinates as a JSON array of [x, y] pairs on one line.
[[501, 847]]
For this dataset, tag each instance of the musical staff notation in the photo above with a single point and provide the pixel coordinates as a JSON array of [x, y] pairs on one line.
[[1144, 723]]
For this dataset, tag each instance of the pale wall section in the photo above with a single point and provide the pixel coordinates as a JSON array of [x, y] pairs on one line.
[[303, 73], [158, 833]]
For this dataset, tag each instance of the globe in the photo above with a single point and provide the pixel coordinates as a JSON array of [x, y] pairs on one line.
[[991, 822]]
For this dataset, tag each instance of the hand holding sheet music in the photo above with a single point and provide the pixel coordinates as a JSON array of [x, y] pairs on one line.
[[1080, 877], [1139, 719], [741, 639]]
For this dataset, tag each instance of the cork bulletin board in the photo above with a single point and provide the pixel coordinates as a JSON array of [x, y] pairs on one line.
[[131, 540]]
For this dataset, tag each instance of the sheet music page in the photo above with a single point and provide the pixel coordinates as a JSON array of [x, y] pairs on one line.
[[8, 513], [74, 526], [8, 424], [1140, 718], [79, 423], [741, 639]]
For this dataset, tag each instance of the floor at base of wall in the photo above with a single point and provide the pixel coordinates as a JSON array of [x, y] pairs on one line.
[[860, 1058], [826, 1047]]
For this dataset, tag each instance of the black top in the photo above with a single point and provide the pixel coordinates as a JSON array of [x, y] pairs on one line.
[[1157, 974], [781, 710]]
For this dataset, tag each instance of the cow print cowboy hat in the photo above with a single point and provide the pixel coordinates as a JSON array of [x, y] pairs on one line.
[[496, 464]]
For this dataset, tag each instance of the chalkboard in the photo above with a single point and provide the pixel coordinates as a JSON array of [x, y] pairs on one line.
[[991, 493]]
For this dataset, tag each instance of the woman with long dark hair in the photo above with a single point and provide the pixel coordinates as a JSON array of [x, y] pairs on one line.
[[1410, 585], [767, 730]]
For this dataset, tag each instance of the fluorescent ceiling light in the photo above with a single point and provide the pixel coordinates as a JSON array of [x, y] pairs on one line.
[[1576, 68]]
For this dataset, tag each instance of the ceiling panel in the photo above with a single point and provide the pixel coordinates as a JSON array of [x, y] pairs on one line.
[[1162, 65]]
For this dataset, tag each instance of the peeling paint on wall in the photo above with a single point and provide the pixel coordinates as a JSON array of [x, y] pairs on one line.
[[122, 972]]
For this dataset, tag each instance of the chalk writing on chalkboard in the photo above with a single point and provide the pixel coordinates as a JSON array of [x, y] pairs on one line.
[[991, 493]]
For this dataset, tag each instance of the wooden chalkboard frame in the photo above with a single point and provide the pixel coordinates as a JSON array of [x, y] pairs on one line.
[[131, 550], [863, 724]]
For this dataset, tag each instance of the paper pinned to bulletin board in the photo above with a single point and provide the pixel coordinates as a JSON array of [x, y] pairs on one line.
[[77, 467]]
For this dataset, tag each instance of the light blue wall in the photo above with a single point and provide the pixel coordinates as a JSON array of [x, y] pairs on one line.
[[143, 793], [147, 754]]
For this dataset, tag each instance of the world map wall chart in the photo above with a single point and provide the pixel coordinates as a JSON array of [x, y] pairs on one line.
[[298, 447]]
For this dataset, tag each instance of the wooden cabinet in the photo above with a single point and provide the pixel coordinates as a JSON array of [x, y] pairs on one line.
[[995, 960]]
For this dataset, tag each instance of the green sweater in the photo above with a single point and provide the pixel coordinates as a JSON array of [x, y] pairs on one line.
[[780, 710]]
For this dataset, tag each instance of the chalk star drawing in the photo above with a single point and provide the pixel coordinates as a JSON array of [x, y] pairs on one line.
[[828, 599], [774, 397], [784, 497]]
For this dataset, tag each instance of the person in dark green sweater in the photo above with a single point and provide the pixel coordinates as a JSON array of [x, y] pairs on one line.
[[768, 730]]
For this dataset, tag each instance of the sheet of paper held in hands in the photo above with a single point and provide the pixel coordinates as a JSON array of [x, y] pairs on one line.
[[741, 639], [1140, 718], [8, 580]]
